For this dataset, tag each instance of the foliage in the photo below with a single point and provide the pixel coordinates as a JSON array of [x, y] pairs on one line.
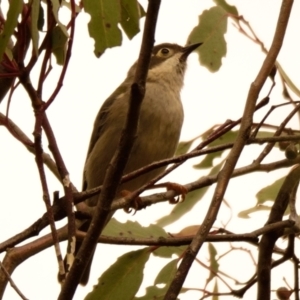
[[34, 32]]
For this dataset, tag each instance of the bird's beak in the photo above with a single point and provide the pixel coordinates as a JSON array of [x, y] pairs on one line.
[[186, 51]]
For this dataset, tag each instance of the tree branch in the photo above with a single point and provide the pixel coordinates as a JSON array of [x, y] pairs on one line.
[[268, 240], [225, 174], [118, 163]]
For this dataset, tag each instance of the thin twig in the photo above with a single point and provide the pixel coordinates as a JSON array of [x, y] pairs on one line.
[[26, 141], [268, 240], [226, 173], [118, 163], [12, 283], [60, 213]]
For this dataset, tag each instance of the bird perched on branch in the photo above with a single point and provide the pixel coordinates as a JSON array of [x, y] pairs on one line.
[[159, 126]]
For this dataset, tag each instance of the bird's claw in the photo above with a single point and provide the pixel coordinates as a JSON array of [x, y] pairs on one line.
[[135, 204], [179, 189]]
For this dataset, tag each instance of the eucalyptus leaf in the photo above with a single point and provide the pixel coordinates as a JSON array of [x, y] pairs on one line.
[[269, 193], [184, 147], [14, 10], [214, 265], [190, 201], [35, 12], [231, 9], [207, 162], [287, 80], [103, 26], [59, 44], [130, 17], [123, 279], [133, 229], [168, 252], [211, 30], [153, 293], [245, 214], [216, 291], [167, 272], [56, 5]]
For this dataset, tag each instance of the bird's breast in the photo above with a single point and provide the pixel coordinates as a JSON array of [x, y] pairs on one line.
[[159, 128]]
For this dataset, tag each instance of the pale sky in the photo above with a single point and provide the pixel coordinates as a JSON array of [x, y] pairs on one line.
[[208, 99]]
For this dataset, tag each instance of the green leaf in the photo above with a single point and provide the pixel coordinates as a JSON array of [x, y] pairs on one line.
[[9, 53], [215, 291], [164, 277], [123, 279], [207, 162], [35, 12], [14, 10], [103, 27], [214, 265], [228, 8], [56, 4], [168, 252], [287, 80], [142, 11], [130, 17], [167, 273], [153, 293], [210, 31], [133, 229], [55, 8], [69, 6], [190, 200], [245, 213], [41, 18], [228, 137], [59, 44], [184, 147], [269, 193]]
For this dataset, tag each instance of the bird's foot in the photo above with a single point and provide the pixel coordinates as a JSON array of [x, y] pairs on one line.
[[180, 189], [135, 204]]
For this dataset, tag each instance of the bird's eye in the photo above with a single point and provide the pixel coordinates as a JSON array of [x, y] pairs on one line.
[[164, 52]]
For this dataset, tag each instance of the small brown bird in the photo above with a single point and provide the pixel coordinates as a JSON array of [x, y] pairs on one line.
[[159, 127]]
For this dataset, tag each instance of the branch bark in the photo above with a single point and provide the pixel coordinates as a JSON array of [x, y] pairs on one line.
[[225, 174], [118, 163], [268, 240]]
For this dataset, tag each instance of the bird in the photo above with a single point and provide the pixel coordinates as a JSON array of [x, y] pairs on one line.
[[159, 125]]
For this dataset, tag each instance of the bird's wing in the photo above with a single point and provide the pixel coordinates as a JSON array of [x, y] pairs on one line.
[[100, 121]]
